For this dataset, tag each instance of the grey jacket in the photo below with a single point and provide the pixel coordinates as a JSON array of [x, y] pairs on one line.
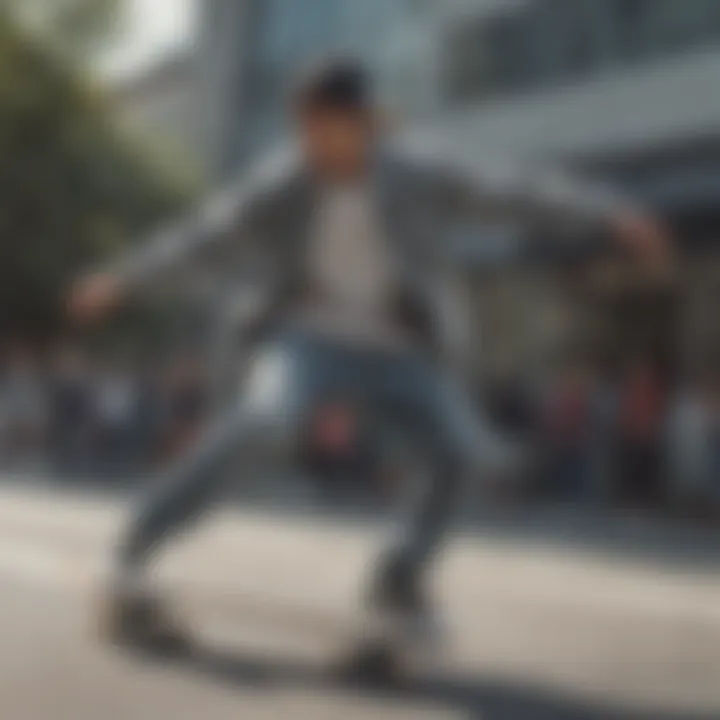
[[263, 223]]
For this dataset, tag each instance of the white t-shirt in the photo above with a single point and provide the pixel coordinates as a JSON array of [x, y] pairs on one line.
[[351, 271]]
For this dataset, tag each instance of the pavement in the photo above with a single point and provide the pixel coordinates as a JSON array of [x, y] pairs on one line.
[[541, 626]]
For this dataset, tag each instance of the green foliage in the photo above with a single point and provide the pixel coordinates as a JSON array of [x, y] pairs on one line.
[[76, 28], [73, 189]]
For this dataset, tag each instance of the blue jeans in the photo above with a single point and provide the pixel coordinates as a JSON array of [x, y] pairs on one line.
[[287, 378]]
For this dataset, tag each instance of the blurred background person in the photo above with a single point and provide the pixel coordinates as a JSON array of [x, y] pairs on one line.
[[116, 400], [641, 476], [71, 413], [185, 401], [23, 408], [511, 400], [714, 439], [150, 415], [693, 446], [570, 425]]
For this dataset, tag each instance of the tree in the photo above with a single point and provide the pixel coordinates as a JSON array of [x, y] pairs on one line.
[[72, 188], [76, 28]]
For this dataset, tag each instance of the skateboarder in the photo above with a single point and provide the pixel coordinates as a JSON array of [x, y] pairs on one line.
[[352, 234]]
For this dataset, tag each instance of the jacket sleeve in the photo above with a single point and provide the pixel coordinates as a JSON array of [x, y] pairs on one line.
[[229, 222], [549, 199]]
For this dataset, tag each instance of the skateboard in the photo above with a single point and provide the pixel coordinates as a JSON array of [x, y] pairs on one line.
[[363, 648]]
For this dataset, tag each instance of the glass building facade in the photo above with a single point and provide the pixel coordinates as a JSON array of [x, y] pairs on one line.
[[456, 62], [540, 43]]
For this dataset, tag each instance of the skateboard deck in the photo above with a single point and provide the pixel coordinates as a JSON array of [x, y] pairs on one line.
[[361, 646]]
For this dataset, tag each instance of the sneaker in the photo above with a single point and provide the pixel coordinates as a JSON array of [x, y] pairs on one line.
[[132, 615], [401, 613]]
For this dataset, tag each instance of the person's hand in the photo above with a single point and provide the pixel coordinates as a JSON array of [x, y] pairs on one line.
[[647, 238], [94, 297]]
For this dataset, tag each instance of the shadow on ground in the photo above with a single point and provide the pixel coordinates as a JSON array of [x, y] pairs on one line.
[[476, 698]]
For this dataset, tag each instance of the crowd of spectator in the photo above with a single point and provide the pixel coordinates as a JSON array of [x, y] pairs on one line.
[[634, 438], [71, 414], [630, 439]]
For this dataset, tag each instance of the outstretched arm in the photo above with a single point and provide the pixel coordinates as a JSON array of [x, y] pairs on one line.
[[220, 219], [233, 215], [554, 200]]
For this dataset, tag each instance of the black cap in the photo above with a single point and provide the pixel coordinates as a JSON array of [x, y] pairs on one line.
[[334, 84]]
